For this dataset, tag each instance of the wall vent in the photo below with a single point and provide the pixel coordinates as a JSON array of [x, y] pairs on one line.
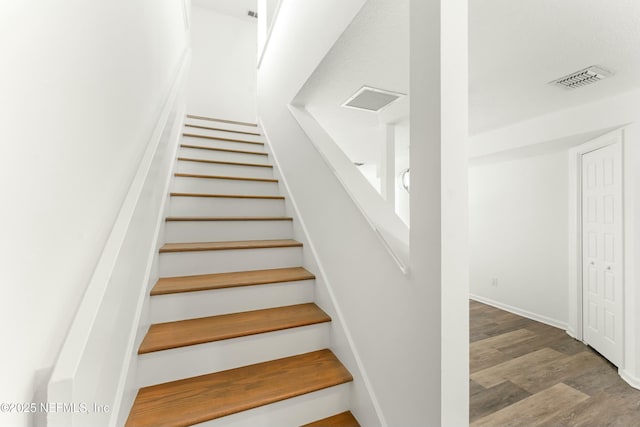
[[252, 13], [371, 99], [581, 78]]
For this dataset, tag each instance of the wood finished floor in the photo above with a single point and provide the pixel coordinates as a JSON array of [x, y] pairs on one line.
[[526, 373]]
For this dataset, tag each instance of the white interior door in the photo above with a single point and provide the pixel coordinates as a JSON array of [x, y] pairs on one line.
[[602, 251]]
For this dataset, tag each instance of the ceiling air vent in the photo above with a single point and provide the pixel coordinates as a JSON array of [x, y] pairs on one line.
[[252, 13], [584, 77], [371, 99]]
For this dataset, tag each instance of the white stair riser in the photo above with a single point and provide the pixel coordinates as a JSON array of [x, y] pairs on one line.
[[223, 156], [214, 124], [219, 143], [223, 186], [292, 412], [222, 134], [215, 231], [227, 261], [224, 170], [185, 362], [217, 206], [192, 305]]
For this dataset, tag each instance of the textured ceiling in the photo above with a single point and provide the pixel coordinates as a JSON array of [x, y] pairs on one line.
[[236, 8], [517, 47]]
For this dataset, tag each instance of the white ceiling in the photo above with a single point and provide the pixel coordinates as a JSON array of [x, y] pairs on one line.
[[235, 8], [516, 48]]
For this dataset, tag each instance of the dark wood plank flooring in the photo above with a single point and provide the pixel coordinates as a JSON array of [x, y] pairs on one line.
[[526, 373]]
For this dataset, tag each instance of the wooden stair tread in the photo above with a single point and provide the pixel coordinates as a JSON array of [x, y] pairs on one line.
[[219, 162], [181, 333], [203, 282], [213, 119], [226, 150], [195, 400], [220, 246], [232, 178], [222, 130], [345, 419], [226, 196], [217, 138], [229, 218]]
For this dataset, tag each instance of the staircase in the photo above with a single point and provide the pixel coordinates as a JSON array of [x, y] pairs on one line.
[[236, 339]]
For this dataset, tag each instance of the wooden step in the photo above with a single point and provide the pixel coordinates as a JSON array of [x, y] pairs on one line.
[[226, 150], [232, 178], [207, 397], [218, 162], [172, 285], [229, 218], [222, 130], [213, 119], [226, 196], [182, 333], [217, 138], [221, 246], [345, 419]]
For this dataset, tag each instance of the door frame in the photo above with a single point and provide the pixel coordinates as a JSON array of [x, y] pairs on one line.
[[575, 325]]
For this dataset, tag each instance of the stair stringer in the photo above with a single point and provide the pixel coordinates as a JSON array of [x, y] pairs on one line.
[[363, 401], [130, 385], [144, 322]]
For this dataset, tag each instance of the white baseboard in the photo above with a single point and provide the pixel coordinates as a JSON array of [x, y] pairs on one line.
[[520, 312], [630, 379]]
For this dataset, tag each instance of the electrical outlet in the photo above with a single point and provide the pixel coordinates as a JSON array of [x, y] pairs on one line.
[[494, 282]]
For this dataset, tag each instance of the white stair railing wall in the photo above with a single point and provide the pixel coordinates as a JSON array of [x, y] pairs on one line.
[[95, 370]]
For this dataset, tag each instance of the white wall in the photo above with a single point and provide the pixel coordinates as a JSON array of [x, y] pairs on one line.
[[417, 371], [370, 172], [267, 10], [222, 81], [518, 231], [571, 127], [595, 117], [403, 200], [81, 90], [379, 212], [631, 370]]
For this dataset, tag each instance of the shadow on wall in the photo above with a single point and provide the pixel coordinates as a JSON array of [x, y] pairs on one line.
[[381, 215]]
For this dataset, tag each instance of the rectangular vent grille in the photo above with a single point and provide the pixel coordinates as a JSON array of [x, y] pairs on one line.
[[581, 78], [371, 99]]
